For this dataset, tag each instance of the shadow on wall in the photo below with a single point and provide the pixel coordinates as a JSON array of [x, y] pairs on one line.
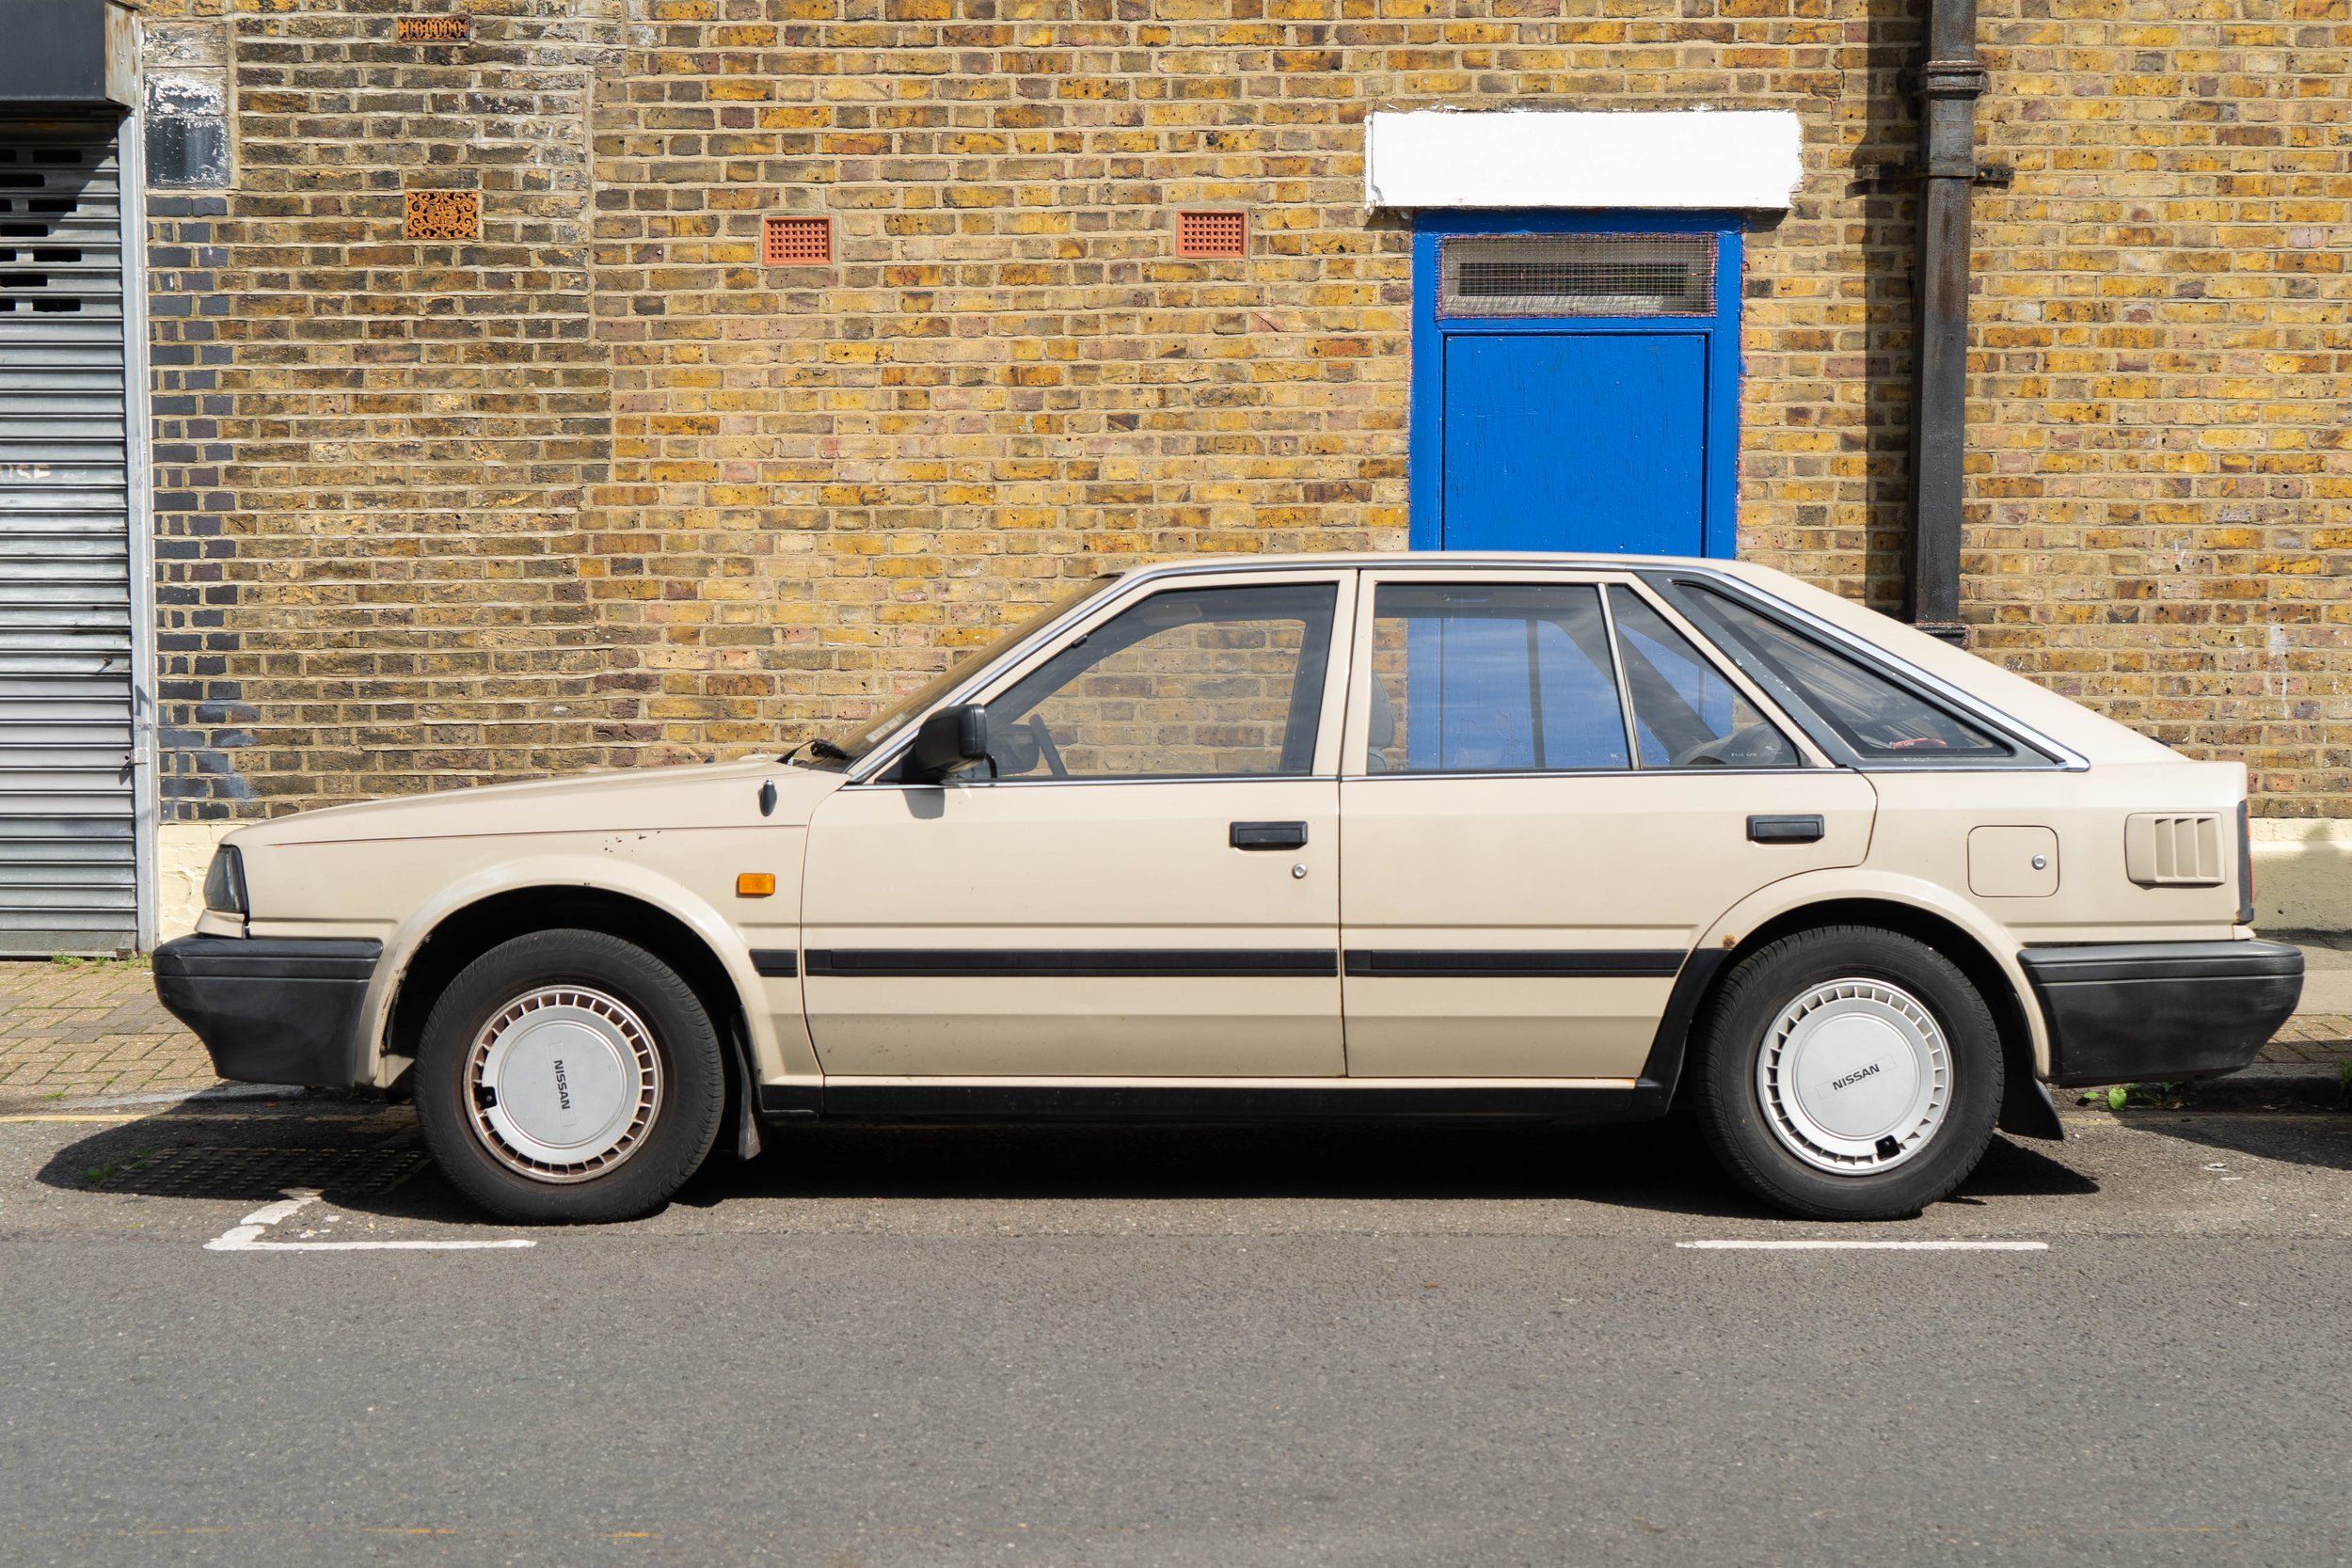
[[1889, 236], [2303, 873]]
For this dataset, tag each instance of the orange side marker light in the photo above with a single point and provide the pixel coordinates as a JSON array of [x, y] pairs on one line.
[[755, 884]]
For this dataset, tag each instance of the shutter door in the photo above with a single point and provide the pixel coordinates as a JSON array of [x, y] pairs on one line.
[[68, 829]]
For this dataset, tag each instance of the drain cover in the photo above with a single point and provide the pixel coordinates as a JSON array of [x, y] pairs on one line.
[[257, 1172]]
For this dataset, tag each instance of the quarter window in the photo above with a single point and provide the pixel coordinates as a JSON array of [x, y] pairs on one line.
[[1879, 719], [1491, 678], [1686, 714], [1191, 682]]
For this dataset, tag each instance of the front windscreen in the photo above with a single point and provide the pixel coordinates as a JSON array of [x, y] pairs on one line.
[[851, 741]]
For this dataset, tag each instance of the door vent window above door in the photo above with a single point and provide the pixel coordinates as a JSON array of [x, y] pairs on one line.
[[1577, 275]]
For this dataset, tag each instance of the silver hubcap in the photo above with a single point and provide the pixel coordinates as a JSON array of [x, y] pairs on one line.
[[1855, 1077], [565, 1081]]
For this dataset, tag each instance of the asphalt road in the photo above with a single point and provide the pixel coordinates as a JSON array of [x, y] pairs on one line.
[[1230, 1347]]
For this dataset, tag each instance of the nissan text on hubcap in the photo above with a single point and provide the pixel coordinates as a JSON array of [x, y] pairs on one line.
[[565, 1081], [1855, 1077]]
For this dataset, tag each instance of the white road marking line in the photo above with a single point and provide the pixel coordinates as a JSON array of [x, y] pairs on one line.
[[1865, 1247], [245, 1236]]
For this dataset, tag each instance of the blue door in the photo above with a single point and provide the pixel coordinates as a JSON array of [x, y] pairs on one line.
[[1575, 385], [1575, 441]]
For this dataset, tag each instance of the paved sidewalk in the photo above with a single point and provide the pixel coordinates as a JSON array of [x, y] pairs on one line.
[[77, 1031], [83, 1031]]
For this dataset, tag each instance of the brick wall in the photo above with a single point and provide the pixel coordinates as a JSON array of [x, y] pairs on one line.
[[370, 452], [2161, 462], [603, 489]]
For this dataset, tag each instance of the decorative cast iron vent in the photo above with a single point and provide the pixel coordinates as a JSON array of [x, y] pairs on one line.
[[796, 242], [1577, 274], [434, 29], [443, 215], [1201, 232]]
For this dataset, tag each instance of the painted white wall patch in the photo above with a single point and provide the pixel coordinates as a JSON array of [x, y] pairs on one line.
[[1738, 160]]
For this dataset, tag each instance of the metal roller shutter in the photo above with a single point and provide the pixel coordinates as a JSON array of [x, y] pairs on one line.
[[69, 841]]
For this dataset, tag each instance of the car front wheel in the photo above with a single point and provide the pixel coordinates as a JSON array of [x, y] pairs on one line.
[[1847, 1073], [570, 1077]]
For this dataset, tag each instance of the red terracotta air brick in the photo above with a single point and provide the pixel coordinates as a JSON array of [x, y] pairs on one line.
[[1203, 232], [795, 241]]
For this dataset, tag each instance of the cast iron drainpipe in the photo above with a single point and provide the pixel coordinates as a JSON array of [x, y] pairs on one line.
[[1948, 86]]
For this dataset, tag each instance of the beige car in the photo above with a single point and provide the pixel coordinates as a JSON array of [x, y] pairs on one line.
[[1443, 835]]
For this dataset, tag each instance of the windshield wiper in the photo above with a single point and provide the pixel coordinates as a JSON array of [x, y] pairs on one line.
[[818, 745]]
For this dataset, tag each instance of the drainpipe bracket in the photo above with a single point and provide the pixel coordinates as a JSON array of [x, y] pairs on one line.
[[1948, 79], [1954, 632]]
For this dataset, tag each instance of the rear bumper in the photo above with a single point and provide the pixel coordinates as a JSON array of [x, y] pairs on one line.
[[271, 1010], [2146, 1011]]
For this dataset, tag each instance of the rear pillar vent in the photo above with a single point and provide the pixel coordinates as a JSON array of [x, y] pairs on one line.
[[2174, 850]]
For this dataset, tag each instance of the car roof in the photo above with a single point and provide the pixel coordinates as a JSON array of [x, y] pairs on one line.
[[1602, 563]]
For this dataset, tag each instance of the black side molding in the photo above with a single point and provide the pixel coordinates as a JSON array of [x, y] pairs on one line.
[[1595, 964], [776, 963], [1205, 963], [1785, 830]]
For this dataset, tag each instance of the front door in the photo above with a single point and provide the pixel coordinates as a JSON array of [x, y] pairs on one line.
[[1147, 887], [1574, 390], [1546, 798]]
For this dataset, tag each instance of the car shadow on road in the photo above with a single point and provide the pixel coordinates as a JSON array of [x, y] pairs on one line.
[[358, 1155], [2320, 1138], [1660, 1166], [370, 1161]]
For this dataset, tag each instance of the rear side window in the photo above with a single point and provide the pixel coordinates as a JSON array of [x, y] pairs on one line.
[[1492, 678], [1878, 717], [1685, 713]]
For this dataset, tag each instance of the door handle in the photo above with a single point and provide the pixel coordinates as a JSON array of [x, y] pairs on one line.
[[1785, 830], [1267, 835]]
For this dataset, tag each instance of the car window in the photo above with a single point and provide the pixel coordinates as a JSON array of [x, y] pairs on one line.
[[1686, 713], [1874, 715], [1491, 678], [1190, 683], [849, 743]]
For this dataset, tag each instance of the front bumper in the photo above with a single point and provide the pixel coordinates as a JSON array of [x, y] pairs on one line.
[[2149, 1012], [271, 1010]]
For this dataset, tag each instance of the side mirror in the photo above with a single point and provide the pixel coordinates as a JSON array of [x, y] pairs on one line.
[[950, 741]]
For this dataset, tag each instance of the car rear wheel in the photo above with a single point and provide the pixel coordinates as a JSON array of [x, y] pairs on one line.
[[1847, 1073], [570, 1077]]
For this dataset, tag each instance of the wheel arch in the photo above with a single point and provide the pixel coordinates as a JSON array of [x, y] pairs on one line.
[[438, 942], [1991, 968]]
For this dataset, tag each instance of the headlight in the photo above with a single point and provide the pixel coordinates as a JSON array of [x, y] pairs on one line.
[[224, 882]]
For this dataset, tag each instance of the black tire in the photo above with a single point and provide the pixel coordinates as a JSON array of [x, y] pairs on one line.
[[1741, 1129], [676, 1132]]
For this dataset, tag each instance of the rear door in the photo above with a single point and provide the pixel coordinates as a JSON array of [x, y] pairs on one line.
[[1148, 887], [1548, 791]]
